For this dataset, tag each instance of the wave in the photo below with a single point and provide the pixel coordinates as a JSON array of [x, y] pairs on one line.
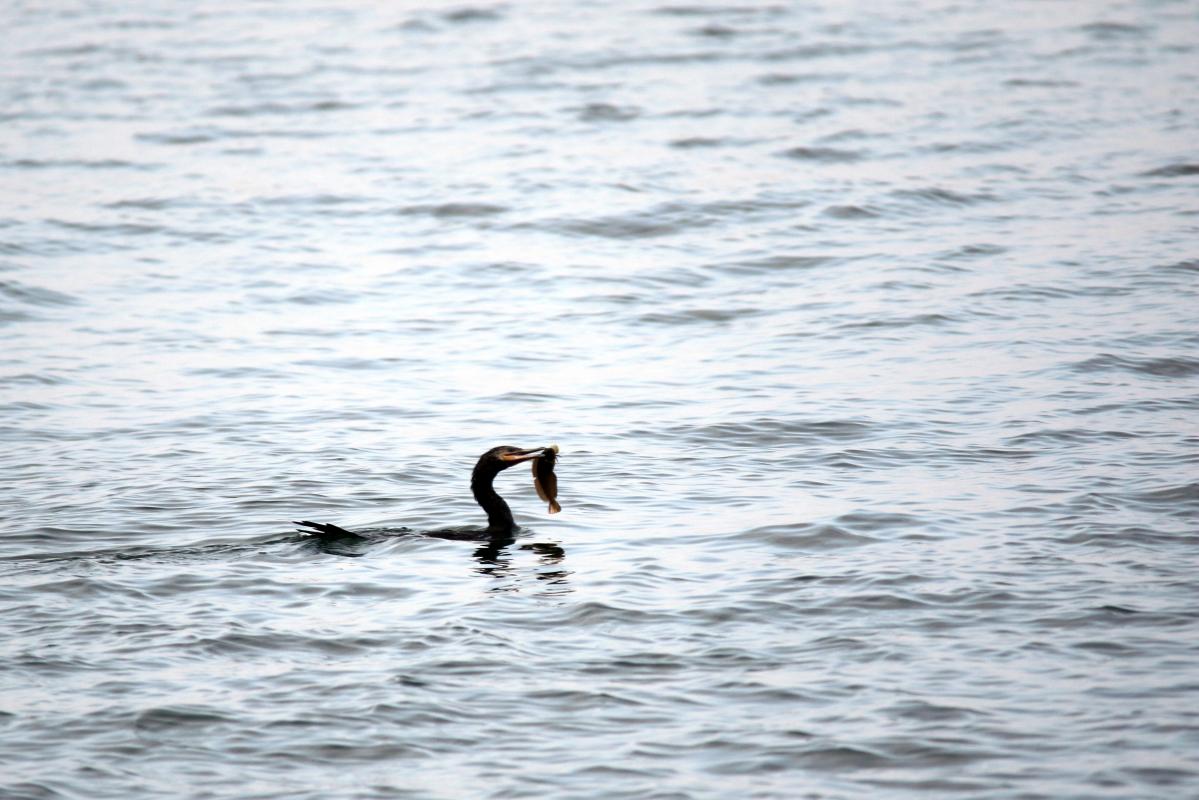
[[1180, 170], [826, 155], [1168, 367]]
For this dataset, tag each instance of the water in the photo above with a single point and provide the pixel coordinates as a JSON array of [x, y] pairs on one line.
[[868, 336]]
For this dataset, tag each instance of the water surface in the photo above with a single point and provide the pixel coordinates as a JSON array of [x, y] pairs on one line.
[[868, 335]]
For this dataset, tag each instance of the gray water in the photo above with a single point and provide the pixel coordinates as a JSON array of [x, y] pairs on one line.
[[868, 332]]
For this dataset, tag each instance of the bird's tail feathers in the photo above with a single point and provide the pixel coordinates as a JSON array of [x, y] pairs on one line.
[[325, 530]]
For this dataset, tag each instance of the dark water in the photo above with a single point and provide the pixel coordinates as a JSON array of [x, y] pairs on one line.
[[868, 333]]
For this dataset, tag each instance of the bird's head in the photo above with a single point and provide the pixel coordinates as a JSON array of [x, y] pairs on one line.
[[504, 456]]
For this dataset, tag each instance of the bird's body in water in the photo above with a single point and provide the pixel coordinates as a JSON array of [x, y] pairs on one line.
[[500, 524]]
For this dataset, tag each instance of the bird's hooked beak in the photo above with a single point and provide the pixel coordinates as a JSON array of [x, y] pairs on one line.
[[517, 456]]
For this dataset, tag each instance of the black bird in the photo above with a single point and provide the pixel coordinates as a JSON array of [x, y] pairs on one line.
[[500, 524]]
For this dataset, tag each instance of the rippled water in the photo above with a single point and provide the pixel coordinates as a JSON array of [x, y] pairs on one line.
[[868, 334]]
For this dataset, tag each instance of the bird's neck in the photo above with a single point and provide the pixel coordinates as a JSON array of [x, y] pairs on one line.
[[499, 516]]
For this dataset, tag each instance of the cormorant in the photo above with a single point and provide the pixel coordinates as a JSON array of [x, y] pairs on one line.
[[500, 524]]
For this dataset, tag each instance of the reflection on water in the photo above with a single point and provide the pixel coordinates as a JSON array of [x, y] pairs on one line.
[[497, 561]]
